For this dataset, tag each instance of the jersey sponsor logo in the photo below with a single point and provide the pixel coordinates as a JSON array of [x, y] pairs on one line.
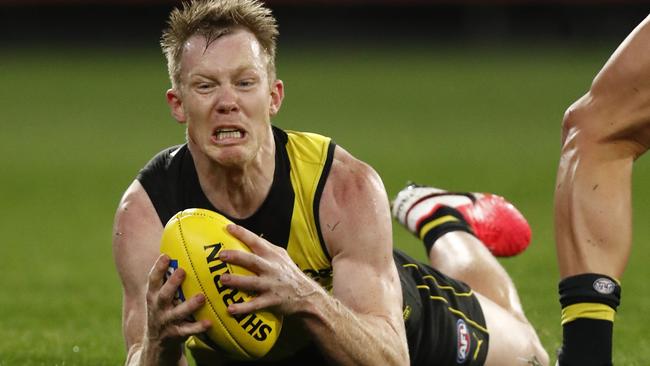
[[464, 341], [173, 266], [604, 286]]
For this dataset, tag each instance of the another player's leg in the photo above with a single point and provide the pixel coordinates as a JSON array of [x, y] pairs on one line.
[[442, 218], [603, 133]]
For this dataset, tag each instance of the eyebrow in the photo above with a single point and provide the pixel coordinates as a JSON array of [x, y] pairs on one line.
[[236, 71]]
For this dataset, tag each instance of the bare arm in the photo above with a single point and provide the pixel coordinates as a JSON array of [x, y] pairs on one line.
[[603, 133], [151, 324], [356, 223], [362, 323]]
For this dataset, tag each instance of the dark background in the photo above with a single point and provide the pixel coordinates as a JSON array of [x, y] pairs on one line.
[[124, 23]]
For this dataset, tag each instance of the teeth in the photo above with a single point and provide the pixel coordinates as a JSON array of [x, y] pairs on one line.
[[228, 134]]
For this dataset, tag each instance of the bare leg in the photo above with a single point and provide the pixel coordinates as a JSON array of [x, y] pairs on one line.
[[450, 225], [513, 341], [463, 257], [603, 133]]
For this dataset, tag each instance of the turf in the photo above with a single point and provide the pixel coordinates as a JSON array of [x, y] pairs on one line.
[[78, 124]]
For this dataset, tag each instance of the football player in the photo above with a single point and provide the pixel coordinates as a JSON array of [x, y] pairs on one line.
[[317, 219]]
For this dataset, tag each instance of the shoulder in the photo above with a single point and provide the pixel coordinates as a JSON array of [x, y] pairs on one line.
[[161, 161], [136, 235], [352, 181], [354, 203]]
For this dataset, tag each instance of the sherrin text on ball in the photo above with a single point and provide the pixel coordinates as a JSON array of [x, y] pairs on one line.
[[193, 239]]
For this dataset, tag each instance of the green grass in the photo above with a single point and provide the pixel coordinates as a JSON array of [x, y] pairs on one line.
[[77, 126]]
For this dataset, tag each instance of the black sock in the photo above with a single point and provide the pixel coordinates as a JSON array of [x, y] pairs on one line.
[[443, 220], [589, 303]]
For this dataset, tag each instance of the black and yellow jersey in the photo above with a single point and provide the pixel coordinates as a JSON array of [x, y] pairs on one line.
[[288, 217], [444, 322]]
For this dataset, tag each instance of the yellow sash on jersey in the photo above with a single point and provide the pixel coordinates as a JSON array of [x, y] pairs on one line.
[[310, 161]]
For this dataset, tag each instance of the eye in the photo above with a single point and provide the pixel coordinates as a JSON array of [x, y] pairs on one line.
[[203, 86], [245, 83]]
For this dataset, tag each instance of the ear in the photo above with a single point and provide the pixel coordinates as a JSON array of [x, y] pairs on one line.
[[277, 95], [176, 105]]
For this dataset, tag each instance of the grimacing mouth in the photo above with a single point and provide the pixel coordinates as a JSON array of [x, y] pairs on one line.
[[224, 133]]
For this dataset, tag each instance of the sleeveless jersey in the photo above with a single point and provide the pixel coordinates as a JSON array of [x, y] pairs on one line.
[[288, 217], [443, 319]]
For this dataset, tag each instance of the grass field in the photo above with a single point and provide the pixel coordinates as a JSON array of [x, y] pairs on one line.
[[77, 125]]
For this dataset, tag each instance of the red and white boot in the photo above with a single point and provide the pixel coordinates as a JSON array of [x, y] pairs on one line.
[[493, 220]]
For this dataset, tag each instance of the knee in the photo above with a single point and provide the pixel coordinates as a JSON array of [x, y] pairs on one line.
[[536, 350], [581, 126], [589, 126], [540, 353]]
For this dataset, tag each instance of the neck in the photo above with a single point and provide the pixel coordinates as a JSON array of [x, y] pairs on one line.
[[238, 191]]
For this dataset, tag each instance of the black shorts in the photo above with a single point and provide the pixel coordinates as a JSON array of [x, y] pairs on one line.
[[444, 322]]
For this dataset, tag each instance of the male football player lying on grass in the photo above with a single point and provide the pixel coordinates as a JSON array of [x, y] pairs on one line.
[[306, 206]]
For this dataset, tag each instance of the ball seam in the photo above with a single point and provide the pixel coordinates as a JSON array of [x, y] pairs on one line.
[[180, 227]]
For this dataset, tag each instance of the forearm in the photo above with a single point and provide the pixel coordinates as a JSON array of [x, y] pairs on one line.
[[149, 356], [348, 338]]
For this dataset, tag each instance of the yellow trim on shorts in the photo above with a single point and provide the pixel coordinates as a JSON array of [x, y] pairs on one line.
[[479, 343], [465, 294], [462, 315], [440, 298], [587, 310], [430, 225], [448, 288]]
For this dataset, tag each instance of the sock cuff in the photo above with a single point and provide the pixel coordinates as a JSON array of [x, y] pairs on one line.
[[589, 288], [444, 219], [587, 310]]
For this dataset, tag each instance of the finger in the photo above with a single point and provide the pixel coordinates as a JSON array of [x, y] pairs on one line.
[[170, 287], [192, 328], [249, 238], [184, 310], [158, 272], [253, 305], [250, 284], [250, 261]]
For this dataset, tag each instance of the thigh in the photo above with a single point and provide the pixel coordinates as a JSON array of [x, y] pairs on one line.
[[446, 325], [512, 341]]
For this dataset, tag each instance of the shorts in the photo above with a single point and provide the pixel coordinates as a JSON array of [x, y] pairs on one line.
[[444, 322]]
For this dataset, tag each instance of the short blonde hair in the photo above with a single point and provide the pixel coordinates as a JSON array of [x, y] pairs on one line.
[[213, 19]]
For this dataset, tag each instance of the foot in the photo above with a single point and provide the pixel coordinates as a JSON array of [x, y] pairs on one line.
[[494, 221]]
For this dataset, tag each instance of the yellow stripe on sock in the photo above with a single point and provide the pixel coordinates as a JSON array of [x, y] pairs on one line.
[[430, 225], [587, 310]]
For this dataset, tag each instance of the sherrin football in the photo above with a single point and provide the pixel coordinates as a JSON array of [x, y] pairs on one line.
[[193, 239]]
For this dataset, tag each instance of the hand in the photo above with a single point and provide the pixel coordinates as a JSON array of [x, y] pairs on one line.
[[167, 323], [279, 285]]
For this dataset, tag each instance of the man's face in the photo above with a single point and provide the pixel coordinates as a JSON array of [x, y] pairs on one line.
[[225, 98]]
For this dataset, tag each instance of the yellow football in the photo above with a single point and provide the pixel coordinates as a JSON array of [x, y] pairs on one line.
[[193, 239]]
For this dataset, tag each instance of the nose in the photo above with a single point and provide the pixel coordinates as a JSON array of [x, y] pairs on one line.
[[227, 101]]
